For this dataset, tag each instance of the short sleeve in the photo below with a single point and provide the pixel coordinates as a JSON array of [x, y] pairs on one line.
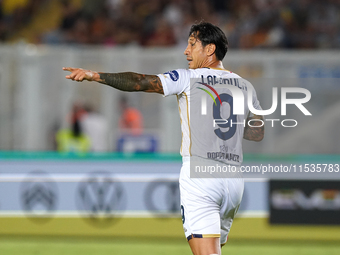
[[256, 102], [175, 82]]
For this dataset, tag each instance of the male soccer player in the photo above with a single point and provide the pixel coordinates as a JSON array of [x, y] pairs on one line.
[[208, 204]]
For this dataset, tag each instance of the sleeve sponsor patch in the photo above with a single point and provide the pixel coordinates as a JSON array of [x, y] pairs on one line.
[[173, 75]]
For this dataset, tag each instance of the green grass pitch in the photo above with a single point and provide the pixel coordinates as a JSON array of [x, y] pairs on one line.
[[147, 246]]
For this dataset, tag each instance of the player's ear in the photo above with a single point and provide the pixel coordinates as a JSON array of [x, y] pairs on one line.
[[210, 49]]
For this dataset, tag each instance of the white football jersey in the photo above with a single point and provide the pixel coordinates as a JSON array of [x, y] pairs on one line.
[[209, 103]]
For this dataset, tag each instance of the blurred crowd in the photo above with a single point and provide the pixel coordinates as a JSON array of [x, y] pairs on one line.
[[15, 14], [87, 130], [298, 24]]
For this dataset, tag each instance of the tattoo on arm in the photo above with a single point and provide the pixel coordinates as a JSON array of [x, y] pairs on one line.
[[132, 82], [256, 132]]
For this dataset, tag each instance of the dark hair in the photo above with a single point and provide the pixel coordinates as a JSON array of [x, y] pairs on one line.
[[208, 33], [76, 129]]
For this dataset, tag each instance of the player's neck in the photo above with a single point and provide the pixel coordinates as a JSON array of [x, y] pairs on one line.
[[212, 62], [216, 65]]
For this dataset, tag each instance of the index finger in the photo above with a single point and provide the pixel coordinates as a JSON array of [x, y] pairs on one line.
[[71, 69]]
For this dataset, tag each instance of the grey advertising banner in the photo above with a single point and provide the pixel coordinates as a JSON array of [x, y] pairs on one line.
[[98, 189]]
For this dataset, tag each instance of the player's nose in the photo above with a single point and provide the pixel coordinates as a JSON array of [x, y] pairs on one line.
[[186, 51]]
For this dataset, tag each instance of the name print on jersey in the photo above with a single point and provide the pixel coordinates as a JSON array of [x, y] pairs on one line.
[[213, 80]]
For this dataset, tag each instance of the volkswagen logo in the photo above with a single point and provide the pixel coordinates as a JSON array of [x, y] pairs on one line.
[[100, 197]]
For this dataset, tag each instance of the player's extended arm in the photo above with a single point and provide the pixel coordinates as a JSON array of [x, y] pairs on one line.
[[255, 132], [123, 81]]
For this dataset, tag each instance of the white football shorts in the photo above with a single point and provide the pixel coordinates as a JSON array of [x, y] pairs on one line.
[[208, 205]]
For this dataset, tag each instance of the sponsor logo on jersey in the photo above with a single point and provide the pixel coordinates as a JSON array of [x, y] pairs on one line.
[[173, 75], [223, 155]]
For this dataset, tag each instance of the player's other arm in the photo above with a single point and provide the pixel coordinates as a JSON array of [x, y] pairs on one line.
[[255, 132], [123, 81]]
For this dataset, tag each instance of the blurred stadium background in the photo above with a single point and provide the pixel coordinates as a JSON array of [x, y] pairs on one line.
[[121, 196]]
